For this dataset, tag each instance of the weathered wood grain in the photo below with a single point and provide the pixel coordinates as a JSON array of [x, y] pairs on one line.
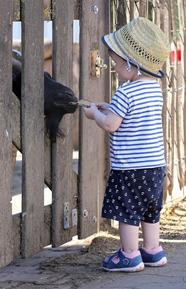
[[32, 128], [6, 246], [64, 193], [92, 141]]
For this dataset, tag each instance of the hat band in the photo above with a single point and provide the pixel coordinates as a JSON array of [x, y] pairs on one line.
[[160, 73]]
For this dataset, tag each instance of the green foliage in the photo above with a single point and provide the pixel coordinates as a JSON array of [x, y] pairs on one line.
[[18, 4], [47, 13]]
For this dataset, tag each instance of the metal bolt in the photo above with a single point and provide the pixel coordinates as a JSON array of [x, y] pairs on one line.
[[94, 9], [94, 220], [85, 213], [6, 133]]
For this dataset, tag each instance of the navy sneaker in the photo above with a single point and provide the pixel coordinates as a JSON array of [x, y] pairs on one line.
[[153, 260], [118, 262]]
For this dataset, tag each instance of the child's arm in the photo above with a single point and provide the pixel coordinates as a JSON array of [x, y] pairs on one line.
[[103, 117]]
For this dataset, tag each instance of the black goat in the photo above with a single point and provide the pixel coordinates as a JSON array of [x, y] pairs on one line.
[[58, 99]]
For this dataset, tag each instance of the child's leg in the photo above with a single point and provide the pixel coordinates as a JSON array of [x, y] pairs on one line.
[[150, 235], [152, 253], [129, 237], [128, 258]]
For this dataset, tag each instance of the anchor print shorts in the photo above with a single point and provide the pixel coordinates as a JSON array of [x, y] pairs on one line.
[[132, 196]]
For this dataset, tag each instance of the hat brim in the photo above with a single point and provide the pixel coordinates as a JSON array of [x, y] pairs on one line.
[[109, 42]]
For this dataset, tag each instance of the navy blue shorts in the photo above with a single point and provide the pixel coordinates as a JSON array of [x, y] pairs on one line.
[[132, 196]]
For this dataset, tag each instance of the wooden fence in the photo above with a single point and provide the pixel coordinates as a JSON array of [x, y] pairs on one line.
[[75, 205], [76, 199]]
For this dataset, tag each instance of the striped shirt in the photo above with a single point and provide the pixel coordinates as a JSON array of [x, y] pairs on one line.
[[138, 143]]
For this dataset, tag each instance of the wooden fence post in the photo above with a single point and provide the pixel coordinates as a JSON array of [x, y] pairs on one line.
[[94, 16], [184, 57], [131, 10], [143, 8], [6, 247], [32, 127], [64, 211], [162, 20]]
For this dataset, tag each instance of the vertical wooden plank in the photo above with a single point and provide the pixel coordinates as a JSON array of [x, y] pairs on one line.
[[17, 226], [173, 168], [47, 9], [170, 114], [143, 8], [179, 123], [17, 140], [16, 10], [64, 204], [121, 14], [92, 145], [131, 9], [184, 57], [180, 98], [6, 247], [164, 25], [77, 6], [32, 127], [105, 95]]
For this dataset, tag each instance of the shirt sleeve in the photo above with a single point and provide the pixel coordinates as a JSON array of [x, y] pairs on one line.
[[120, 103]]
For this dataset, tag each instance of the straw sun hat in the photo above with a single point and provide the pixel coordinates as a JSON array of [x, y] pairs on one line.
[[141, 43]]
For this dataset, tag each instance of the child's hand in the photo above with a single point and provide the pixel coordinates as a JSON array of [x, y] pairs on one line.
[[90, 111], [102, 106]]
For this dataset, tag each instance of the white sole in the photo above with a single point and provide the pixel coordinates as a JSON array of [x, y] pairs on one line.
[[138, 268], [159, 263]]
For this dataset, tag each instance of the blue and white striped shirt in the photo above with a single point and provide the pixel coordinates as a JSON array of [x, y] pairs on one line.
[[138, 143]]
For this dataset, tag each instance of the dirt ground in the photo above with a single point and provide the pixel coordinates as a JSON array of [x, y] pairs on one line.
[[84, 266], [173, 221], [77, 264]]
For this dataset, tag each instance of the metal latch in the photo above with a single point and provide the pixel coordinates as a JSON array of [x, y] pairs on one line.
[[66, 220], [96, 64]]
